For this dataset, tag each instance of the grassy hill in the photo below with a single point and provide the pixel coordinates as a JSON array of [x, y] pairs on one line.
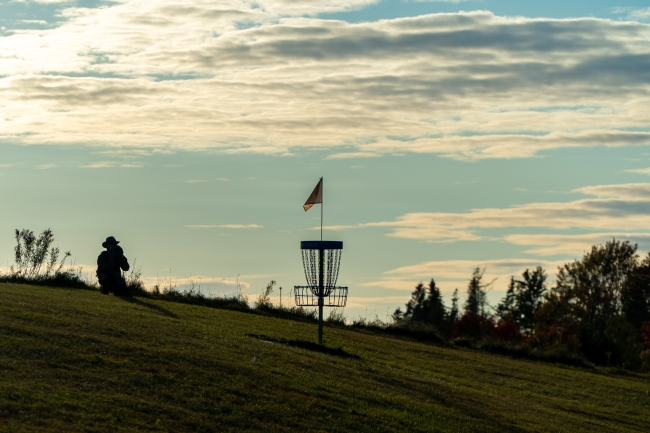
[[77, 360]]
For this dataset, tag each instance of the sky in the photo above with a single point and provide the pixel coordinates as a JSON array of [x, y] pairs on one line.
[[450, 135]]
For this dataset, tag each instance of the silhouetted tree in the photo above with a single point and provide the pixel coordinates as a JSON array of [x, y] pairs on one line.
[[635, 295], [506, 309], [453, 312], [476, 293], [426, 306], [588, 293], [523, 299], [435, 306], [416, 309]]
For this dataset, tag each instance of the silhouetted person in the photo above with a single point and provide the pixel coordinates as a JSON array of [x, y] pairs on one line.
[[109, 264]]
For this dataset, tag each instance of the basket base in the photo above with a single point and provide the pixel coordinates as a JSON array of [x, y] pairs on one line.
[[305, 297]]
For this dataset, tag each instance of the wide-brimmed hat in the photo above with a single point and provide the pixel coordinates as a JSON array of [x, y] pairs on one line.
[[110, 241]]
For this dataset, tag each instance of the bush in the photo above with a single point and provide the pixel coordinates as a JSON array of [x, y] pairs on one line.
[[645, 359], [335, 317], [622, 343], [561, 353], [37, 262], [264, 300], [503, 347], [507, 330], [473, 326], [133, 280], [463, 342], [645, 335]]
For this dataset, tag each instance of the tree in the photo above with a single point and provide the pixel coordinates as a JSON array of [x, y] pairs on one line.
[[476, 293], [588, 293], [635, 295], [507, 309], [426, 306], [435, 306], [523, 299], [453, 312], [416, 307]]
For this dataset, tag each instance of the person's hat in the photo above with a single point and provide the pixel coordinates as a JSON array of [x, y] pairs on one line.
[[110, 241]]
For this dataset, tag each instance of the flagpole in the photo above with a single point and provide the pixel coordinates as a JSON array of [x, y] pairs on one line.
[[321, 208]]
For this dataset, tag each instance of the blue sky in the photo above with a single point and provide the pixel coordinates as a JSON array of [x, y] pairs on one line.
[[451, 135]]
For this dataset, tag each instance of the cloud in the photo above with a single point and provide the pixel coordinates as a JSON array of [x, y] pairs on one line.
[[442, 1], [619, 207], [336, 227], [194, 181], [452, 274], [206, 284], [639, 171], [269, 79], [224, 226], [112, 164], [637, 14], [567, 244], [43, 1]]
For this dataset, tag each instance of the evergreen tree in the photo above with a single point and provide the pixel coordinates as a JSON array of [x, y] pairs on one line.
[[476, 293], [426, 306], [506, 310], [453, 313], [435, 306], [416, 309], [523, 299]]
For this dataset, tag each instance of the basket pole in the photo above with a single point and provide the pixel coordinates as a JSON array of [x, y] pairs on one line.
[[321, 292]]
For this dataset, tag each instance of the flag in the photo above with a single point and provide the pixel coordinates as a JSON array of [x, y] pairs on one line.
[[315, 197]]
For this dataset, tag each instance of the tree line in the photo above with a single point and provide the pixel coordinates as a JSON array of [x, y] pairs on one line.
[[598, 306]]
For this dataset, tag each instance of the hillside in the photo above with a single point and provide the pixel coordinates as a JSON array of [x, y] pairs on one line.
[[77, 360]]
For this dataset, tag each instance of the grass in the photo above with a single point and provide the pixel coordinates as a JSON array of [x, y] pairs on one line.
[[75, 360]]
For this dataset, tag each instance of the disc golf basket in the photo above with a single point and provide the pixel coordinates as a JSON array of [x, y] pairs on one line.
[[321, 261]]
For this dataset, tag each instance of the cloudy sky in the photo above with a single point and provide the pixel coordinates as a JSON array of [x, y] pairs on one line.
[[450, 134]]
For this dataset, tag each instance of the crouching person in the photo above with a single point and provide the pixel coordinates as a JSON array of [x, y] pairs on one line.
[[110, 263]]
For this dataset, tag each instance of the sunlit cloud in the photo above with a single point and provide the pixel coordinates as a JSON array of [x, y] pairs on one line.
[[44, 1], [639, 171], [455, 274], [205, 284], [112, 164], [618, 207], [570, 244], [637, 14], [242, 78], [224, 226]]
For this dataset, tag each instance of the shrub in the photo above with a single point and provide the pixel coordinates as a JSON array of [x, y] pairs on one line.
[[622, 343], [264, 300], [473, 326], [133, 280], [31, 253], [645, 335], [336, 317], [557, 334], [463, 342], [507, 330], [36, 261], [645, 359]]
